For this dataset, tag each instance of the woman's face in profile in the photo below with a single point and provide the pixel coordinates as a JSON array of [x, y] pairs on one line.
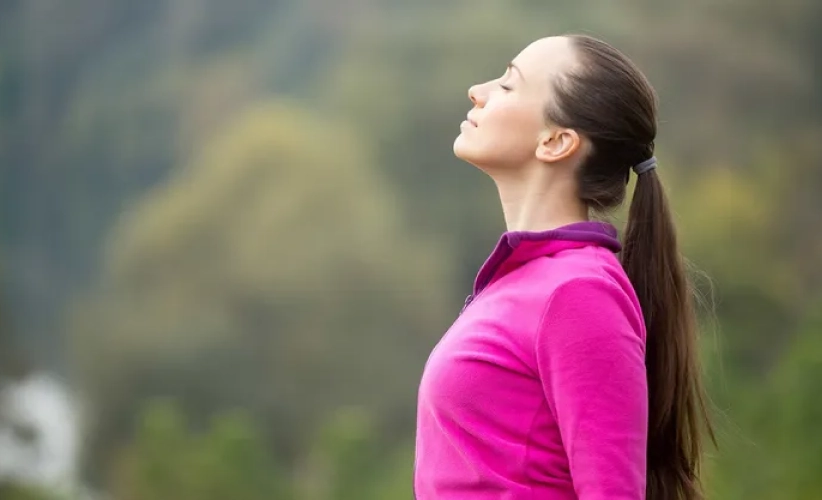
[[504, 126]]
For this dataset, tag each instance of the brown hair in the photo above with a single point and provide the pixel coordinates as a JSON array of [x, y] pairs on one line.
[[607, 99]]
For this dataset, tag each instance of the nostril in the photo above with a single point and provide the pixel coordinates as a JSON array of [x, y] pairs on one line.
[[472, 93]]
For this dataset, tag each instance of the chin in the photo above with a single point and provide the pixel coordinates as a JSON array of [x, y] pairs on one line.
[[464, 151]]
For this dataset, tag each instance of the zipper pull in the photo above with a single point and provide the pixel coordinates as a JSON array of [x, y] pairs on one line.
[[468, 301]]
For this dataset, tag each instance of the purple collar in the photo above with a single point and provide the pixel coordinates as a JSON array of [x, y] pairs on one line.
[[597, 233], [517, 247]]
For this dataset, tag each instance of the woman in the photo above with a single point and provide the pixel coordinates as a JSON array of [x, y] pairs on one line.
[[571, 372]]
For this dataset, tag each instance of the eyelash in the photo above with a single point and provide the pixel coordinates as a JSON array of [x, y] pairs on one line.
[[504, 87]]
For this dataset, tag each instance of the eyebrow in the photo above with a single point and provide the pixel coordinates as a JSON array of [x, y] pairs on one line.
[[511, 65]]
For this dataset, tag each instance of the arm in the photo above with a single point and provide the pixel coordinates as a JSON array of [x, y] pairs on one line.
[[591, 364]]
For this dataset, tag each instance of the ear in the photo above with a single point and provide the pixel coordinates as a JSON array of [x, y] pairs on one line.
[[557, 144]]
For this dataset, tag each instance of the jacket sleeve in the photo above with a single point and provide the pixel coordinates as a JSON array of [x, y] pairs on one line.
[[590, 359]]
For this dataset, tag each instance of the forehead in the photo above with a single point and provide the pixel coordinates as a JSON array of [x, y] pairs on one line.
[[546, 58]]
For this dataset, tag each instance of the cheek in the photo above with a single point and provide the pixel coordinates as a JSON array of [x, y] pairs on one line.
[[515, 124]]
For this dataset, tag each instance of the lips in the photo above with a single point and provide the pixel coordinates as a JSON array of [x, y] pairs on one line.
[[471, 121]]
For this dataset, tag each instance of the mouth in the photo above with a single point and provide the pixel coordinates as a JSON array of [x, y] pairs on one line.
[[470, 121]]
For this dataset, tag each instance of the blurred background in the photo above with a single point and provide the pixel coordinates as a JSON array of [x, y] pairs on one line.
[[231, 232]]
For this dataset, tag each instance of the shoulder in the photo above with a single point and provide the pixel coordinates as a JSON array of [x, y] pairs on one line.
[[592, 304], [585, 293]]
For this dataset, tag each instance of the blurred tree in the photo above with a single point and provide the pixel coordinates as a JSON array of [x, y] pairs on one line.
[[167, 462], [767, 277], [795, 390], [233, 284], [273, 272], [346, 461], [769, 438], [9, 491]]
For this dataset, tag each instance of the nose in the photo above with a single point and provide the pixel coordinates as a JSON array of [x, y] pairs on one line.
[[475, 95]]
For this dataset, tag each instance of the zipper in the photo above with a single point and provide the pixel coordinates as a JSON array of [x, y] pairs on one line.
[[489, 269], [468, 301]]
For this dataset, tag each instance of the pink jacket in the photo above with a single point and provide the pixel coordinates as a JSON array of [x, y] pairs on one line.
[[538, 390]]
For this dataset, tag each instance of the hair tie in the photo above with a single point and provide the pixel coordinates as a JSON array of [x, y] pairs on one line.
[[645, 166]]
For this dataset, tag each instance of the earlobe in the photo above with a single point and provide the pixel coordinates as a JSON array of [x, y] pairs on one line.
[[557, 145]]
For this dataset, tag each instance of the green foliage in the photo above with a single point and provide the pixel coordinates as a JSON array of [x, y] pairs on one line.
[[254, 204], [795, 386], [259, 274], [768, 436], [9, 491], [168, 462]]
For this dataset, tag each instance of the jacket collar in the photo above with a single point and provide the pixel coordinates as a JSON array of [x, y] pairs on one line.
[[517, 247]]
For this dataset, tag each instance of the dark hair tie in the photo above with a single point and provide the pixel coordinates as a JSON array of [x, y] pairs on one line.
[[645, 166]]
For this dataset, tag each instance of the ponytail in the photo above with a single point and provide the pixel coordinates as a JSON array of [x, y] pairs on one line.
[[678, 415], [607, 99]]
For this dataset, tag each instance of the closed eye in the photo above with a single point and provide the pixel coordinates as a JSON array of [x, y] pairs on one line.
[[504, 87]]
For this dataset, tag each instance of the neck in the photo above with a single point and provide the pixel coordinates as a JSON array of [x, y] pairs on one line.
[[539, 199]]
